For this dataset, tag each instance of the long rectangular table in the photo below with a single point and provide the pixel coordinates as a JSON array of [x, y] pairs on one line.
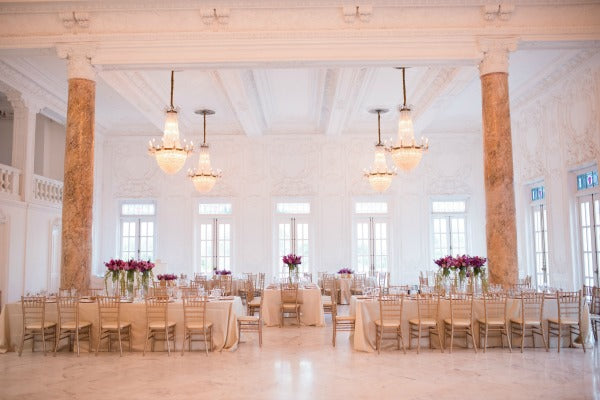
[[311, 306], [222, 313], [366, 311]]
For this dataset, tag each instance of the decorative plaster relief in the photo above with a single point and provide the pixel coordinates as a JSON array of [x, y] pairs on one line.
[[501, 11], [361, 12], [74, 19]]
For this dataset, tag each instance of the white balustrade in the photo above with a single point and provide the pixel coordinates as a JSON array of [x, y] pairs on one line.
[[9, 180], [47, 190]]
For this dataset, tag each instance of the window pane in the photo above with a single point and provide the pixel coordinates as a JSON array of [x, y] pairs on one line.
[[214, 208], [293, 208], [137, 209], [371, 208], [459, 206]]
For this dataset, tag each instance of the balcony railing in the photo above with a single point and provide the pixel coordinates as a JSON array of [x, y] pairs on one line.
[[47, 190], [9, 181]]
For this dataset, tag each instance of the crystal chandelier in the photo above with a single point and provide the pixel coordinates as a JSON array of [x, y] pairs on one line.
[[379, 176], [406, 153], [204, 178], [171, 153]]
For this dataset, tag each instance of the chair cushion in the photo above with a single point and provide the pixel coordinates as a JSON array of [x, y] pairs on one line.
[[114, 325], [531, 322], [290, 306], [248, 318], [345, 318], [197, 325], [38, 325], [564, 321], [492, 321], [72, 326], [387, 323], [458, 321], [160, 324], [255, 302], [327, 303], [424, 321]]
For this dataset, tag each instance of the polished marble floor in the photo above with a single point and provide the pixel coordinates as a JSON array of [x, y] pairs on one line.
[[300, 363]]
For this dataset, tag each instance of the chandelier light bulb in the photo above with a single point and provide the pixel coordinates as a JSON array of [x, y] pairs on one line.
[[379, 175], [203, 177]]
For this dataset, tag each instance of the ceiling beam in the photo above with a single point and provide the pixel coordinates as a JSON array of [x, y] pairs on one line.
[[239, 88]]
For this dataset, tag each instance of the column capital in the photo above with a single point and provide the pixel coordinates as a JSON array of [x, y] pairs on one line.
[[79, 57], [20, 103], [495, 54]]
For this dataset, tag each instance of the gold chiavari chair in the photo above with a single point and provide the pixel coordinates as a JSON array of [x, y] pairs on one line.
[[329, 285], [191, 291], [423, 281], [594, 300], [526, 282], [398, 289], [530, 318], [428, 306], [383, 281], [251, 323], [345, 323], [225, 282], [390, 319], [494, 320], [569, 317], [109, 323], [359, 281], [460, 321], [289, 302], [260, 285], [195, 323], [328, 300], [253, 303], [34, 322], [158, 326], [158, 292], [201, 281], [69, 325], [242, 291]]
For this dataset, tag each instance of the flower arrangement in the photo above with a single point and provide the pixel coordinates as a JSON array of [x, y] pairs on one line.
[[222, 272], [166, 277], [446, 264], [345, 271], [124, 273], [291, 262], [466, 266]]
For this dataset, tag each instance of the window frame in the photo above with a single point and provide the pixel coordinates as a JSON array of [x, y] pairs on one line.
[[371, 218], [137, 219], [278, 217], [448, 215], [212, 219]]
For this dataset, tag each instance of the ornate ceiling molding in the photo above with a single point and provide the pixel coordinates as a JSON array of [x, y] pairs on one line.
[[496, 53]]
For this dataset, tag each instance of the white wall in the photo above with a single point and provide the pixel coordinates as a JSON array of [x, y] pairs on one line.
[[554, 134], [49, 148], [325, 170]]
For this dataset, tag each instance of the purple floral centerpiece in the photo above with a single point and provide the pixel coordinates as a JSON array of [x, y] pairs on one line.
[[446, 264], [222, 272], [291, 262], [345, 271], [166, 277]]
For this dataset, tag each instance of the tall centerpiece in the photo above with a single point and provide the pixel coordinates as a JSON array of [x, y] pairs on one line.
[[292, 261], [144, 275], [463, 266], [345, 273], [114, 270]]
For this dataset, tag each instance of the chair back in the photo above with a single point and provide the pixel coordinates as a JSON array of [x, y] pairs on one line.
[[194, 310], [595, 301], [34, 310], [423, 281], [359, 281], [461, 306], [390, 307], [260, 285], [158, 292], [68, 309], [494, 306], [225, 284], [428, 306], [328, 282], [157, 310], [289, 293], [109, 310], [191, 291], [532, 306], [569, 305], [330, 286], [249, 287], [398, 289]]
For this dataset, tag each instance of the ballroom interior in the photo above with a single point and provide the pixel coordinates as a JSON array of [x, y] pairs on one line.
[[220, 136]]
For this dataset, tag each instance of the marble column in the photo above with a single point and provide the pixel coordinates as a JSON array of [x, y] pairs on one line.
[[501, 231], [78, 188]]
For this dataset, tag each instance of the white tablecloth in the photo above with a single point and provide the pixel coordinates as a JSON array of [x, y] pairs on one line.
[[345, 284], [223, 314], [311, 307], [367, 311]]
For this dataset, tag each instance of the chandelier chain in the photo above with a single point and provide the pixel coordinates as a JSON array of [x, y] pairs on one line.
[[172, 87], [404, 84], [379, 127]]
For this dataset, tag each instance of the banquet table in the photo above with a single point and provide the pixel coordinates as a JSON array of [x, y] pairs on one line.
[[311, 306], [222, 313], [366, 311]]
